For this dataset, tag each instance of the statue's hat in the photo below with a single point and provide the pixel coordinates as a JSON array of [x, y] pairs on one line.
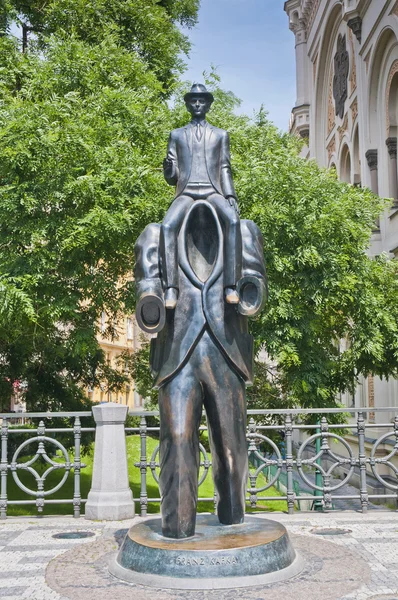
[[198, 89]]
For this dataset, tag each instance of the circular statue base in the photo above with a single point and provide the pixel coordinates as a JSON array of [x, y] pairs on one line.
[[257, 552]]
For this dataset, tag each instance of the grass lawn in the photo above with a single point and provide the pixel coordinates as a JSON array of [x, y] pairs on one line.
[[206, 490]]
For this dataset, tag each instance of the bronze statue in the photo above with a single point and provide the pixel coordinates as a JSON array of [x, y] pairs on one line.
[[198, 164], [202, 355]]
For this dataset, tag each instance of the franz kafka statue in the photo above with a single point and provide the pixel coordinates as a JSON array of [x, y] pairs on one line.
[[199, 276]]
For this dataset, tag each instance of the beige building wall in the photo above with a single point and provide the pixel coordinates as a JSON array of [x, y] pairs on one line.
[[127, 339]]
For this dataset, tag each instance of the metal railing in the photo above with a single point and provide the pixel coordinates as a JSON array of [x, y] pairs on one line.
[[44, 453], [303, 470], [292, 471]]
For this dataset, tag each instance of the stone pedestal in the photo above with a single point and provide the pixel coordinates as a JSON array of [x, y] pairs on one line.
[[257, 552], [110, 497]]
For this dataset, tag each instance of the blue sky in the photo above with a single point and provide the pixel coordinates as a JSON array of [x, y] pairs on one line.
[[250, 43]]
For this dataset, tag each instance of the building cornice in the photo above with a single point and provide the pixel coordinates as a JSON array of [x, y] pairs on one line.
[[306, 11]]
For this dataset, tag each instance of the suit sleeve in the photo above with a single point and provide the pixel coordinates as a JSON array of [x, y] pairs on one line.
[[227, 183], [252, 286], [171, 175], [150, 309]]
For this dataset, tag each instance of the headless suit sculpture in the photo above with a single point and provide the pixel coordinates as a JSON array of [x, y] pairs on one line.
[[199, 276]]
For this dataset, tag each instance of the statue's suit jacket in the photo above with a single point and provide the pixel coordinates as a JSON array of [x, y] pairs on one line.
[[217, 155], [199, 305]]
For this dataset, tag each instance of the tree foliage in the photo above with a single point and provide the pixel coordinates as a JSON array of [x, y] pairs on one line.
[[85, 113], [83, 119]]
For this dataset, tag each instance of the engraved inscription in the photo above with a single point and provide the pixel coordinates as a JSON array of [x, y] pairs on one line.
[[224, 560], [201, 561], [188, 560]]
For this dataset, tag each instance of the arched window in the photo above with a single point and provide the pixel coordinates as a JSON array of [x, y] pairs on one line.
[[345, 164], [392, 124], [356, 164]]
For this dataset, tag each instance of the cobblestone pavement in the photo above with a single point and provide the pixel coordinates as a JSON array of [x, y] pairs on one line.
[[359, 565]]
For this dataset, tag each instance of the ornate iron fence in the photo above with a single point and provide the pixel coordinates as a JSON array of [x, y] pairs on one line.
[[302, 466], [290, 468], [40, 447]]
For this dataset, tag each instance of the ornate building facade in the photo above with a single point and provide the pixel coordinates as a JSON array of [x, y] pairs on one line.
[[347, 108]]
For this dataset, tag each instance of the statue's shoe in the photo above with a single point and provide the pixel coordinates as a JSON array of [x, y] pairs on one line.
[[231, 296], [171, 297]]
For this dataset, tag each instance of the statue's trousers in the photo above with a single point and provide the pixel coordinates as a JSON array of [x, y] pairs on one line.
[[208, 380]]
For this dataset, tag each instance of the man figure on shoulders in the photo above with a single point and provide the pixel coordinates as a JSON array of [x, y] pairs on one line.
[[198, 164]]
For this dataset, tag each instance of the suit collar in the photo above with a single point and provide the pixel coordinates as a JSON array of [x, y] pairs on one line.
[[203, 123], [192, 124]]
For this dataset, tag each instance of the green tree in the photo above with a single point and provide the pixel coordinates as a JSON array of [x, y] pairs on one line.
[[83, 122]]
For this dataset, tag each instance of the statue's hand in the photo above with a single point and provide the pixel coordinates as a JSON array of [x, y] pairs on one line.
[[232, 202], [168, 166]]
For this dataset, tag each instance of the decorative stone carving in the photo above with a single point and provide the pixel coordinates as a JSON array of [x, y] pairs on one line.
[[331, 147], [395, 10], [371, 157], [331, 117], [391, 144], [393, 71], [340, 79], [312, 14], [297, 24], [354, 110], [301, 36], [343, 127], [300, 122], [308, 10], [355, 25], [353, 76]]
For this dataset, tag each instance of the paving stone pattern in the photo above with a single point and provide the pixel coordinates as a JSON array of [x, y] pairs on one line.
[[361, 565]]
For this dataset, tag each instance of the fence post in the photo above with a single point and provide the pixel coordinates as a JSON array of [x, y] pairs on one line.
[[289, 464], [363, 490], [327, 496], [215, 502], [318, 504], [77, 430], [396, 444], [143, 468], [110, 497], [3, 469], [252, 449]]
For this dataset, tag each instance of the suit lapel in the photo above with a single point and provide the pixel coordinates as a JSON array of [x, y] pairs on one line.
[[188, 133], [208, 133]]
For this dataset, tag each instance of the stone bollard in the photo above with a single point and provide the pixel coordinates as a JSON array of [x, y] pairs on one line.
[[110, 497]]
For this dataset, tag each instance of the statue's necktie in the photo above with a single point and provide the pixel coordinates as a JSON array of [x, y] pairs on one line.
[[198, 132]]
